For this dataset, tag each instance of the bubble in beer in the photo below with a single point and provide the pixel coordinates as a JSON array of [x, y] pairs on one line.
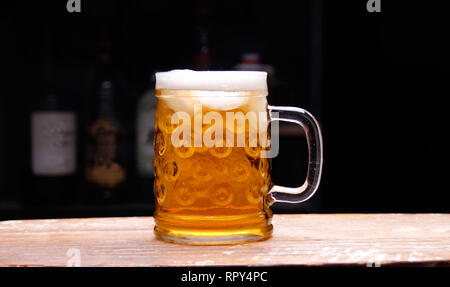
[[170, 170], [220, 152], [202, 168], [221, 168], [254, 194], [160, 192], [240, 168], [160, 144], [184, 194], [221, 194], [184, 151]]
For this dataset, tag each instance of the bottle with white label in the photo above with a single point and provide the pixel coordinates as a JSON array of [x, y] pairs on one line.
[[53, 151]]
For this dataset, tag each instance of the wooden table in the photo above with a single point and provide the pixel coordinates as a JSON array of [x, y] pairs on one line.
[[313, 239]]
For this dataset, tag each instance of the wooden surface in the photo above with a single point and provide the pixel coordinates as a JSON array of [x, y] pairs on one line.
[[332, 239]]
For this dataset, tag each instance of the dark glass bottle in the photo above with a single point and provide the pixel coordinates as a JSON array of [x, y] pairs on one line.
[[105, 166], [53, 149]]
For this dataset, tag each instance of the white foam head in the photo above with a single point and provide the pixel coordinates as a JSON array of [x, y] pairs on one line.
[[228, 81]]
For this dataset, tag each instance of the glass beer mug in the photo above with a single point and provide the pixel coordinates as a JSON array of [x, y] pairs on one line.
[[213, 150]]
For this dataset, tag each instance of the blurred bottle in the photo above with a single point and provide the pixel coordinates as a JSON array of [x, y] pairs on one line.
[[53, 148], [105, 166], [203, 58], [145, 131]]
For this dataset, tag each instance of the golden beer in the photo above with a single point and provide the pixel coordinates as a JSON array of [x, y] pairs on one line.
[[213, 194]]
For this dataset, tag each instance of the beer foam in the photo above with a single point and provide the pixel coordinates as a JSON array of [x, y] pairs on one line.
[[227, 81]]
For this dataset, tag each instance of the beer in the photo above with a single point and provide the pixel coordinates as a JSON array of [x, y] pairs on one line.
[[211, 193]]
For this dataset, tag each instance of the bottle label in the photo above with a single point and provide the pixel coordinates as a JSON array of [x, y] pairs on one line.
[[103, 168], [53, 142], [145, 135]]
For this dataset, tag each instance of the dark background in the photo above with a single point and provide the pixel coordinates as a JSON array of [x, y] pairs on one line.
[[377, 83]]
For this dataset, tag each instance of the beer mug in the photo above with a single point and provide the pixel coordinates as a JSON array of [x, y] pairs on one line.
[[213, 151]]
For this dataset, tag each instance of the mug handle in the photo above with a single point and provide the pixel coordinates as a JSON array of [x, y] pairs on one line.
[[314, 139]]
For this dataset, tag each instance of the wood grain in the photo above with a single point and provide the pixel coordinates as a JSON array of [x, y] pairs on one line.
[[325, 239]]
